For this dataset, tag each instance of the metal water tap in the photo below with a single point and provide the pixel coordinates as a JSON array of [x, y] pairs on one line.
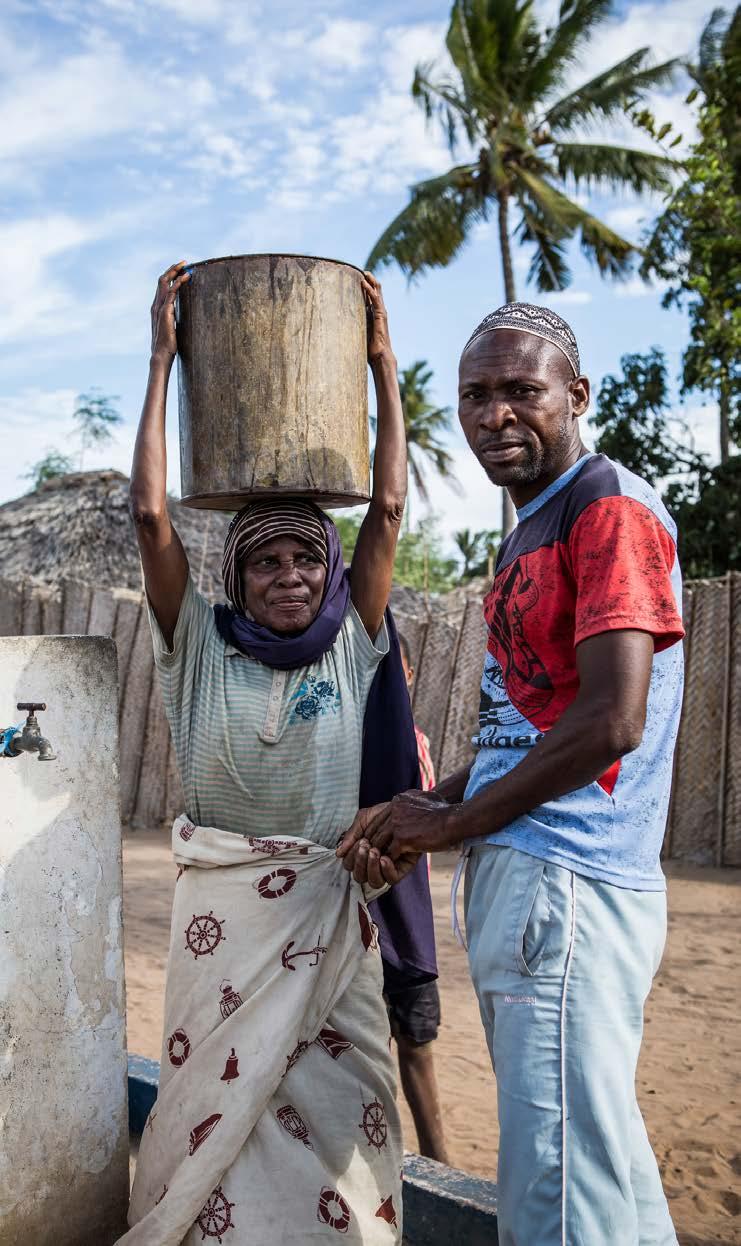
[[30, 739]]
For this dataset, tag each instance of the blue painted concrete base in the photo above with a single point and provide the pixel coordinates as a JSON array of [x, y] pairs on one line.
[[441, 1205]]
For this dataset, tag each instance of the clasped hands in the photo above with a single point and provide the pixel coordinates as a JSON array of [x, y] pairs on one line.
[[386, 841]]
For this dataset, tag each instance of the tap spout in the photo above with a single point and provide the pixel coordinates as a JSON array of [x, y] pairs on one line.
[[32, 742]]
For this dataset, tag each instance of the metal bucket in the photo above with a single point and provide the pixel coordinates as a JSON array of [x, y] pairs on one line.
[[272, 382]]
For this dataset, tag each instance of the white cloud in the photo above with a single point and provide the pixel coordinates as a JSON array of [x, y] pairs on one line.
[[636, 288], [343, 44], [51, 108], [570, 297]]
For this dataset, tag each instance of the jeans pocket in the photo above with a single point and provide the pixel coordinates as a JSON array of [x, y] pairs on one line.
[[531, 936]]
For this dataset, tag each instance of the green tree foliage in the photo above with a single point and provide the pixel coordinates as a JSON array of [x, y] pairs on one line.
[[53, 464], [420, 560], [424, 425], [696, 245], [95, 415], [633, 414], [506, 99], [478, 551]]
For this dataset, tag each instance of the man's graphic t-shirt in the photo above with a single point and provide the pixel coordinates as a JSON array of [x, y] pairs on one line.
[[595, 552]]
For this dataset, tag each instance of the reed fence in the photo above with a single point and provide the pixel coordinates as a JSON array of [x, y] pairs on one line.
[[447, 647]]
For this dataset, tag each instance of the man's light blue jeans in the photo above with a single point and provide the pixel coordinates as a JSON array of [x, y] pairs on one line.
[[562, 966]]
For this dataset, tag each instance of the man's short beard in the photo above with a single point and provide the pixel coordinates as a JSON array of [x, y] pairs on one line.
[[540, 461]]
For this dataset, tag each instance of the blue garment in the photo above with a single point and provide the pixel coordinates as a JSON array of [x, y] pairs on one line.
[[594, 552], [562, 966]]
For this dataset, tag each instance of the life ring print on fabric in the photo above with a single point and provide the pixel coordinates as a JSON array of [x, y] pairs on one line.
[[178, 1048], [333, 1210], [276, 884]]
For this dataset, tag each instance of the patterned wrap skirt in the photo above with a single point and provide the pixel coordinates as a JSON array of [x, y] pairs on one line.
[[275, 1120]]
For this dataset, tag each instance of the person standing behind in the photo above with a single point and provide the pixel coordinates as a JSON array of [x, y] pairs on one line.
[[563, 809], [414, 1003]]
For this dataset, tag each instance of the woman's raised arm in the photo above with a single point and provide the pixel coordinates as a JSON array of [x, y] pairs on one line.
[[163, 557], [372, 567]]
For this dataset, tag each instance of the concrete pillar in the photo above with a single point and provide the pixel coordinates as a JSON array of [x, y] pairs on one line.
[[63, 1111]]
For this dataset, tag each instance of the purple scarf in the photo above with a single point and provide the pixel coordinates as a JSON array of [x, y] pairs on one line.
[[390, 763]]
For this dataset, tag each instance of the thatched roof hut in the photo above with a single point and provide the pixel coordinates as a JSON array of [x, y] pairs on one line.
[[78, 527]]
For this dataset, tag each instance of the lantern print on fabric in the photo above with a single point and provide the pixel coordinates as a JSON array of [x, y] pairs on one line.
[[314, 698], [294, 1124], [333, 1210], [230, 999]]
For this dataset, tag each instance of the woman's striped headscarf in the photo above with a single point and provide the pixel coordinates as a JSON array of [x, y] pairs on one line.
[[259, 522]]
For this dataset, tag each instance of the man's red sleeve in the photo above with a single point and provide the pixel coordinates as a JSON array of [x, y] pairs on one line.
[[622, 558]]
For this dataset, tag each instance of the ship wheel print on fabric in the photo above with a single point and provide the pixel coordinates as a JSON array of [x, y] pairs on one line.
[[216, 1217], [279, 883], [178, 1048], [374, 1124], [204, 934], [333, 1210]]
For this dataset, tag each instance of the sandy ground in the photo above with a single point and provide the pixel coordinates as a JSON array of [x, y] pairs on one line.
[[689, 1081]]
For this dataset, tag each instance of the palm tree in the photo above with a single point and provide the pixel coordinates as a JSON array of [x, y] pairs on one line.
[[507, 99], [423, 425], [469, 548]]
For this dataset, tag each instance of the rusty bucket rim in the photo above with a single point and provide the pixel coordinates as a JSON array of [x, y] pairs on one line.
[[277, 255]]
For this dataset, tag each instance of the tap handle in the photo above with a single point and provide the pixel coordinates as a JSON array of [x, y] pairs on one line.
[[31, 706]]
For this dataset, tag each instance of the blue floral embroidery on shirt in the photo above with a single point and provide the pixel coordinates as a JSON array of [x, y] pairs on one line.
[[315, 697]]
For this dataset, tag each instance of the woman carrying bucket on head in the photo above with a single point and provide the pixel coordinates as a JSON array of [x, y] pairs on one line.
[[275, 1120]]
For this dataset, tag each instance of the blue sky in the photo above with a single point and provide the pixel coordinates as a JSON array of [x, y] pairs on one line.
[[137, 132]]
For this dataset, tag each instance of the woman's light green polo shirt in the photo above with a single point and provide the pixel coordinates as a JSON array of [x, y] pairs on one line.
[[260, 751]]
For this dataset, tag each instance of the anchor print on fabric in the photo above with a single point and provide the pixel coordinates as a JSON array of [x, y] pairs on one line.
[[216, 1216], [287, 957], [296, 1054], [204, 934], [374, 1124], [333, 1210], [314, 697]]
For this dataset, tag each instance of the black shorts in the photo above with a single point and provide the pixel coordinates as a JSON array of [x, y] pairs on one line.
[[413, 1007]]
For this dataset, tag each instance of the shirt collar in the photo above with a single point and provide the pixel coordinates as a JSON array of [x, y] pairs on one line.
[[524, 512]]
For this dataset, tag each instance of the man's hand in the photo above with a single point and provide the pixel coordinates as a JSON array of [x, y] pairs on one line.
[[386, 841]]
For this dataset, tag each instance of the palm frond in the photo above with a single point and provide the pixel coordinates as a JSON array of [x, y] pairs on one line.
[[612, 254], [610, 92], [576, 22], [441, 98], [601, 164], [549, 269], [434, 225]]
